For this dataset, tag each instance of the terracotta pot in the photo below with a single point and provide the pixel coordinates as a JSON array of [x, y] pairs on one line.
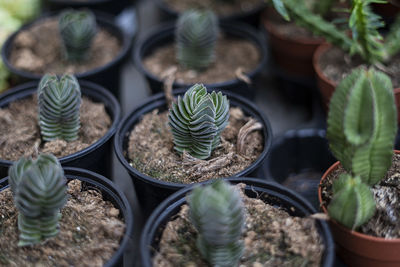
[[292, 54], [357, 249], [327, 86]]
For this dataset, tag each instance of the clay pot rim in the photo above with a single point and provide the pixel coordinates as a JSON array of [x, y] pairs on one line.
[[343, 228], [317, 67], [271, 29]]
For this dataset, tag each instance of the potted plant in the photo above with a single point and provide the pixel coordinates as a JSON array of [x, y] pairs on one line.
[[64, 217], [162, 155], [357, 191], [52, 117], [46, 44], [228, 56], [215, 224], [247, 11]]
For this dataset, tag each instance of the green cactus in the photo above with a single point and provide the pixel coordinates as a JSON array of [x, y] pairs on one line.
[[59, 103], [362, 124], [353, 203], [39, 191], [196, 35], [197, 120], [217, 212], [77, 29]]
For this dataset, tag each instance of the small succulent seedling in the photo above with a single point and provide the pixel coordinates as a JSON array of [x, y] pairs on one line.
[[59, 103], [77, 29], [39, 191], [217, 212], [196, 35], [197, 120]]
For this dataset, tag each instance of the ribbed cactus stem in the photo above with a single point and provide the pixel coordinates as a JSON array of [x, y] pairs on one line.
[[196, 35], [39, 190], [217, 212], [197, 120], [77, 30], [362, 124], [59, 103], [353, 203]]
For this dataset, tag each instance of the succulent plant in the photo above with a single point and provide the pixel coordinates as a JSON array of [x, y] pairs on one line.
[[59, 103], [353, 203], [197, 120], [362, 124], [217, 212], [196, 35], [39, 191], [77, 29]]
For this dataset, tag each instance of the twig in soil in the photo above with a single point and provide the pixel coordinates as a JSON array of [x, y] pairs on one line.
[[250, 126], [242, 76], [168, 76], [320, 216], [198, 166]]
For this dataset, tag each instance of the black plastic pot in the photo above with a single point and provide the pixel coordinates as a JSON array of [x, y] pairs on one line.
[[109, 6], [107, 75], [163, 34], [269, 192], [298, 159], [251, 17], [110, 192], [150, 191], [98, 156]]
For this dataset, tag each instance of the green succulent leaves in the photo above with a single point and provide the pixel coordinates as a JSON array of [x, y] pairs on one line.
[[39, 190], [196, 34], [217, 212], [77, 29], [197, 120], [362, 124], [59, 103], [353, 203]]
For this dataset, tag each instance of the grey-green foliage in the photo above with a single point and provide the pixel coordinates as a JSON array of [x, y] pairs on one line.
[[197, 119], [196, 35], [362, 124], [59, 103], [353, 203], [77, 29], [217, 212], [39, 191]]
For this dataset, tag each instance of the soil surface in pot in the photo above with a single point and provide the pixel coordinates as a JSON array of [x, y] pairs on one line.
[[336, 64], [20, 132], [386, 220], [38, 50], [90, 232], [271, 236], [220, 7], [231, 56], [151, 151]]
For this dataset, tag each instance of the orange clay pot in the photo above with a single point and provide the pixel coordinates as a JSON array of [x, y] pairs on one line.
[[357, 249], [327, 86]]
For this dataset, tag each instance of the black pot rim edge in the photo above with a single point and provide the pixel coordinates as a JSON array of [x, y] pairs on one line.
[[128, 217], [92, 86], [145, 178], [101, 19], [169, 26], [145, 257]]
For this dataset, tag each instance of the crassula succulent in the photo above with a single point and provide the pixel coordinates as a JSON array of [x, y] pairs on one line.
[[197, 119], [39, 191], [362, 125], [77, 29], [59, 101], [196, 35], [217, 213]]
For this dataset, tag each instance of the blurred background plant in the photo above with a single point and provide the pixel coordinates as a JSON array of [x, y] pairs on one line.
[[13, 14]]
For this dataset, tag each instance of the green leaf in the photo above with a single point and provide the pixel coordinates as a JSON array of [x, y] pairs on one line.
[[280, 8]]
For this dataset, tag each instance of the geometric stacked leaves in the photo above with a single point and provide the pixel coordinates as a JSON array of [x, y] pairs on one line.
[[217, 213], [39, 191], [77, 29], [196, 34], [59, 103], [197, 120]]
